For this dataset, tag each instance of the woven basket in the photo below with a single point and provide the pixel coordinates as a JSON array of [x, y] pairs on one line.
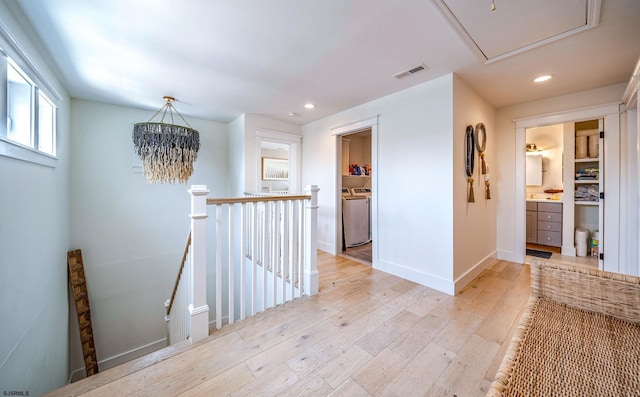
[[577, 292]]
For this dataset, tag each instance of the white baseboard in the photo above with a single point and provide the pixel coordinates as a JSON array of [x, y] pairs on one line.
[[474, 272], [122, 358], [568, 250], [507, 256], [326, 247], [426, 279]]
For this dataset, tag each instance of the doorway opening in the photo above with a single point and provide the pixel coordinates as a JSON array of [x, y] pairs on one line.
[[356, 196], [277, 163], [564, 179], [366, 185]]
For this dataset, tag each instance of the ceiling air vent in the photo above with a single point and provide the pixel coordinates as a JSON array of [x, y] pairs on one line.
[[413, 70]]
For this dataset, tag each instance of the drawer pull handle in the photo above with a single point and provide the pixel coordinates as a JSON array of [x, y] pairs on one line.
[[548, 226], [548, 238]]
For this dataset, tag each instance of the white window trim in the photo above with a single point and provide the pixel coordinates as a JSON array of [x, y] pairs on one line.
[[17, 53], [17, 151]]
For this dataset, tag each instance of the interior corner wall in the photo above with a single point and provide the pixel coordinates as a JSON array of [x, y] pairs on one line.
[[474, 224], [252, 123], [132, 233], [34, 238], [414, 180], [505, 176], [236, 166]]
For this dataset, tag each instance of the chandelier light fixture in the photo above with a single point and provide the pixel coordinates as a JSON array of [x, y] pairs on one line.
[[167, 150]]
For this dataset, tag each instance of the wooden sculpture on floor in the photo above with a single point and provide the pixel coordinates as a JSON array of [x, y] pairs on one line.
[[81, 298]]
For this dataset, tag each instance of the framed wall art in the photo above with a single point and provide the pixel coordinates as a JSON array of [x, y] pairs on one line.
[[275, 169]]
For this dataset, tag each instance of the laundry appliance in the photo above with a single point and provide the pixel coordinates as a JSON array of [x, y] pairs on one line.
[[361, 191], [355, 219], [364, 192]]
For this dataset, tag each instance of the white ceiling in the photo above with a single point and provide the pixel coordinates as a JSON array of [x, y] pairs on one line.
[[220, 58]]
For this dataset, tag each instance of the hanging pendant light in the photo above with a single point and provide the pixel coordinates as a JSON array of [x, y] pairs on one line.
[[167, 151], [493, 5]]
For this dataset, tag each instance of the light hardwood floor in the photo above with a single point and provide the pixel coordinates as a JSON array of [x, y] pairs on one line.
[[366, 333]]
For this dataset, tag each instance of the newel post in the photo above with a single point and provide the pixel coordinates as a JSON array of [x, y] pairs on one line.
[[311, 243], [198, 308]]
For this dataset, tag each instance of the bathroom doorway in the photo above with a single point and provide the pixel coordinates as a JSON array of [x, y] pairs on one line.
[[563, 183]]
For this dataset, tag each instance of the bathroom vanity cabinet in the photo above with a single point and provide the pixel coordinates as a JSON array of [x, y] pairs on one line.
[[544, 223]]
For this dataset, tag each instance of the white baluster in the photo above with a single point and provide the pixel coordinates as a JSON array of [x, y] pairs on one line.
[[218, 266], [285, 250], [277, 267], [303, 230], [254, 261], [294, 248], [231, 267], [263, 243], [243, 259]]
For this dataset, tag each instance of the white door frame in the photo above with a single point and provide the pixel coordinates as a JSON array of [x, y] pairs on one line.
[[611, 116], [338, 132]]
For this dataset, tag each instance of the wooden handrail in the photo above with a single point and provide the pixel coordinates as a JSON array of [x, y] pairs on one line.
[[214, 201], [175, 287]]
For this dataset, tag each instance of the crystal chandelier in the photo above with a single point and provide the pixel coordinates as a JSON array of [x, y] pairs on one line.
[[167, 150]]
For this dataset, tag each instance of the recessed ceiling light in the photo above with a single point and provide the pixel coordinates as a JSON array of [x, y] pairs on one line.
[[309, 105], [293, 114], [544, 77]]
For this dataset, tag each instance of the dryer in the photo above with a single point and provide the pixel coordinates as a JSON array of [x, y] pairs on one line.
[[364, 192]]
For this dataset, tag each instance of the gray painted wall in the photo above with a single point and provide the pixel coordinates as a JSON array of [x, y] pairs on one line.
[[34, 238]]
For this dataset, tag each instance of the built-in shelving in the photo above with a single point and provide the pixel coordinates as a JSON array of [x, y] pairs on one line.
[[587, 207]]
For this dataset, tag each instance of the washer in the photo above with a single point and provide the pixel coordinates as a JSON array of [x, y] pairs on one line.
[[355, 220], [361, 191]]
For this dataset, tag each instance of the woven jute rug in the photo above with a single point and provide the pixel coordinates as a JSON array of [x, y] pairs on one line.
[[565, 351]]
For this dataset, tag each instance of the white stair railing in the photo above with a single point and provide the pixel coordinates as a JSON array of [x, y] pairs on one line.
[[265, 255]]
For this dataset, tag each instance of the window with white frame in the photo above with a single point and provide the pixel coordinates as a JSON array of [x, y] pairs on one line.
[[30, 114]]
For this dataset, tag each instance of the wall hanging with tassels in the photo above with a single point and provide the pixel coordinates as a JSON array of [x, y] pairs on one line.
[[481, 135], [469, 160]]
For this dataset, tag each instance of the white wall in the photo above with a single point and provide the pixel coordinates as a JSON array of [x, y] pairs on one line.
[[236, 163], [506, 146], [34, 238], [132, 234], [474, 224], [414, 176]]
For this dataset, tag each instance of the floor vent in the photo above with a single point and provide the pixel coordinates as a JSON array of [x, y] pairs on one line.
[[409, 72]]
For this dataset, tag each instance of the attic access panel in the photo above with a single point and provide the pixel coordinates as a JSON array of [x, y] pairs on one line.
[[517, 25]]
